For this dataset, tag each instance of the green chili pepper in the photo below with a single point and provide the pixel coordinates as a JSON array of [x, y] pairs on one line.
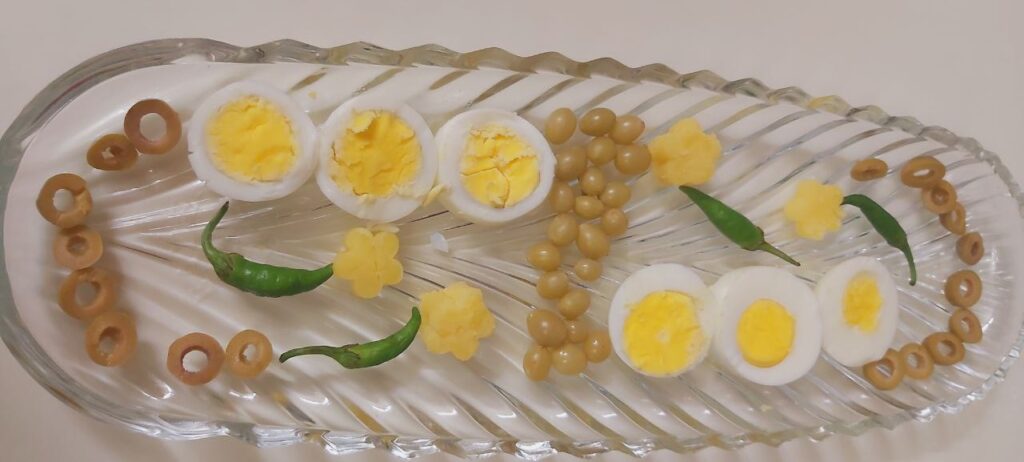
[[887, 227], [359, 355], [733, 224], [259, 278]]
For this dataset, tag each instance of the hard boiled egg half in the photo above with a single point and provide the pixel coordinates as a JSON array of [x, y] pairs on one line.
[[377, 159], [495, 166], [859, 310], [662, 320], [769, 331], [250, 141]]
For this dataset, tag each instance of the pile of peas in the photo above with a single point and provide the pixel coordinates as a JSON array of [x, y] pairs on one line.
[[583, 192]]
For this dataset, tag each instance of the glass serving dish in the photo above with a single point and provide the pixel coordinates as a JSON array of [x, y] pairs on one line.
[[150, 217]]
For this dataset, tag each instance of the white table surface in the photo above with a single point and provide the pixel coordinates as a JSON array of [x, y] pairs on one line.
[[959, 66]]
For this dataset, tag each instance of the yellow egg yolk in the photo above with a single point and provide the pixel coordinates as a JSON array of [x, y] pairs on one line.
[[368, 260], [765, 333], [454, 320], [815, 209], [685, 155], [251, 140], [377, 155], [662, 333], [498, 167], [862, 303]]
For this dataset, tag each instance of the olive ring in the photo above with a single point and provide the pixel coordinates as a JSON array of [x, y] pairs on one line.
[[965, 326], [882, 381], [963, 288], [73, 184], [133, 126], [869, 169], [922, 366], [195, 341], [922, 172], [106, 293], [933, 343], [114, 325], [243, 366]]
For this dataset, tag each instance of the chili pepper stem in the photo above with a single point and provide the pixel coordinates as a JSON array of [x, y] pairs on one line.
[[913, 267], [216, 257], [766, 247]]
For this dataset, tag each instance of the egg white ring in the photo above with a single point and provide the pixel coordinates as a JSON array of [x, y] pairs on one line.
[[452, 139], [399, 203], [657, 278], [849, 346], [737, 290], [303, 131]]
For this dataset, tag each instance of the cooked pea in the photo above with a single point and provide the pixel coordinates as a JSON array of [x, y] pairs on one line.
[[570, 162], [597, 346], [627, 129], [560, 126], [574, 303], [615, 194], [547, 328], [562, 198], [577, 330], [597, 121], [588, 207], [592, 242], [587, 269], [614, 222], [632, 159], [592, 182], [537, 362], [601, 150], [544, 256], [563, 229], [569, 359], [553, 284]]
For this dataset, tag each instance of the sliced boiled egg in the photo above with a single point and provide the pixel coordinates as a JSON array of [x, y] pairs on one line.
[[769, 331], [251, 142], [377, 159], [859, 310], [661, 320], [495, 166]]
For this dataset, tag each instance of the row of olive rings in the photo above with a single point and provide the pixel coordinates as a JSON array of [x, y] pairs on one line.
[[110, 337], [962, 288]]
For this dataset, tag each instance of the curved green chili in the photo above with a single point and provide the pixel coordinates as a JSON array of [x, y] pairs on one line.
[[733, 224], [359, 355], [259, 278], [887, 227]]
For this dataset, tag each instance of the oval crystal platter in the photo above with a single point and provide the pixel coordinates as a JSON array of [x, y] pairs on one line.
[[151, 217]]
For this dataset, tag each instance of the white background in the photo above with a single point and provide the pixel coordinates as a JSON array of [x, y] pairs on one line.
[[960, 65]]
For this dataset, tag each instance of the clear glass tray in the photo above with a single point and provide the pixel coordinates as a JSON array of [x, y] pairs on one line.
[[150, 218]]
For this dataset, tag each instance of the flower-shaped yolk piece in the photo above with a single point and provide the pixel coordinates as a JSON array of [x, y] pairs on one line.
[[815, 209], [685, 155], [454, 320], [368, 260]]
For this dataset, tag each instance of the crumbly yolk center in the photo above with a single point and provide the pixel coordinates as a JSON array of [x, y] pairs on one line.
[[498, 167], [862, 303], [662, 333], [815, 209], [369, 260], [250, 139], [765, 333], [377, 155], [454, 320]]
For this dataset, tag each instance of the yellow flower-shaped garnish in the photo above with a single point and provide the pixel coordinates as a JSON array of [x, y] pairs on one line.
[[454, 320], [368, 260], [685, 155], [815, 209]]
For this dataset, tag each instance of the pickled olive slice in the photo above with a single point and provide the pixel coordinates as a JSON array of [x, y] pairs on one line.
[[918, 362], [944, 348], [885, 373], [133, 126], [200, 342], [922, 172], [112, 152], [116, 326], [80, 209], [963, 288], [965, 326], [970, 248], [242, 365], [939, 198], [77, 247], [869, 169], [104, 284]]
